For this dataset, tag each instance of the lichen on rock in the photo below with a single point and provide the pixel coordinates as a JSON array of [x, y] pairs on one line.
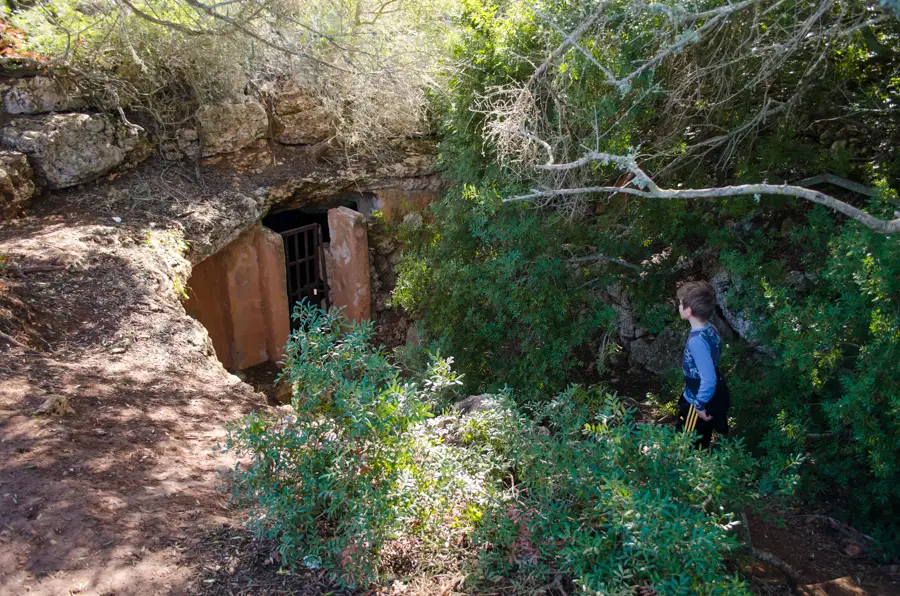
[[16, 184], [69, 149], [37, 95], [230, 127]]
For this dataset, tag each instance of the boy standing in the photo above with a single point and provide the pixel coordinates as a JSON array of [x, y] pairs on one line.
[[705, 389]]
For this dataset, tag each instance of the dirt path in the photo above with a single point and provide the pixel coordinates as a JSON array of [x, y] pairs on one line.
[[111, 497]]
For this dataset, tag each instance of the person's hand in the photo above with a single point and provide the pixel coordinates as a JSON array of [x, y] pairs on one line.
[[704, 415]]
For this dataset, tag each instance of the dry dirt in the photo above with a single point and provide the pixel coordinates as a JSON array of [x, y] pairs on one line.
[[116, 496]]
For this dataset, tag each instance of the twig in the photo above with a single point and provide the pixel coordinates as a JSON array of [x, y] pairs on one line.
[[13, 340]]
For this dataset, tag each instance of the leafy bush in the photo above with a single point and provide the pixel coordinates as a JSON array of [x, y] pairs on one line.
[[355, 464], [494, 289], [352, 463], [828, 398], [831, 394], [615, 505]]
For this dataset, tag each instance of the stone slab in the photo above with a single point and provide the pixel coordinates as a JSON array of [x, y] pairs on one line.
[[347, 263], [273, 281]]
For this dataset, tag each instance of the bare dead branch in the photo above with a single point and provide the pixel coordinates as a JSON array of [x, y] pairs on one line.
[[249, 33], [891, 226], [653, 191], [12, 340], [605, 259], [570, 39]]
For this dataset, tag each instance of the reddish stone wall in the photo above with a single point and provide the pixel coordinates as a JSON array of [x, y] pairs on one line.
[[239, 294], [347, 263], [397, 203]]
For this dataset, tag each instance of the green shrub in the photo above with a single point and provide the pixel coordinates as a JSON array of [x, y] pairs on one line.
[[615, 505], [494, 289], [352, 463], [830, 396], [356, 463]]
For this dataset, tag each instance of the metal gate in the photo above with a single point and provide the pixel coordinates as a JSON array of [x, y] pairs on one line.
[[305, 261]]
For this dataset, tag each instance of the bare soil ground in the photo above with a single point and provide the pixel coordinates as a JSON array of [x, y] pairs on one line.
[[120, 492], [115, 494]]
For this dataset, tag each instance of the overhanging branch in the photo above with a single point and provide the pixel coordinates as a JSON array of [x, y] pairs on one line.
[[650, 190]]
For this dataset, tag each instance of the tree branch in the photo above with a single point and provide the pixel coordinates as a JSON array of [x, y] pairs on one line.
[[654, 192], [605, 259], [168, 24], [569, 40]]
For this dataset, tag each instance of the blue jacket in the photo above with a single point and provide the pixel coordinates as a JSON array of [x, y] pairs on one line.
[[701, 357]]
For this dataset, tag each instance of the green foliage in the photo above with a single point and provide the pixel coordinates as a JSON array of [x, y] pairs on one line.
[[615, 505], [355, 462], [351, 464], [494, 289], [492, 283], [832, 391]]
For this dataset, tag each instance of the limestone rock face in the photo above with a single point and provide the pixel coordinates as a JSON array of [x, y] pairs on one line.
[[626, 321], [722, 283], [68, 149], [16, 184], [660, 354], [184, 145], [37, 95], [299, 116], [229, 127]]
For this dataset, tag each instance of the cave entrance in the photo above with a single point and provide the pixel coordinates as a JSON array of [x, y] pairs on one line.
[[326, 253], [306, 238], [244, 293], [304, 259]]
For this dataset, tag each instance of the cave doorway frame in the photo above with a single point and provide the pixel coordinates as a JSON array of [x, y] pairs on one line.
[[304, 258]]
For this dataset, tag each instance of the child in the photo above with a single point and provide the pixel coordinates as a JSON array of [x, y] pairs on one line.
[[705, 389]]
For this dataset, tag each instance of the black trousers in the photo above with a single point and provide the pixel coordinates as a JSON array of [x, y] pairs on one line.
[[705, 428]]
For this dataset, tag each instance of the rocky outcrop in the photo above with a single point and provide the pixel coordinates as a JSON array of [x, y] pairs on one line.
[[37, 95], [661, 353], [728, 287], [408, 165], [626, 322], [298, 116], [68, 149], [392, 323], [723, 283], [486, 402], [657, 353], [230, 127], [184, 145], [16, 184]]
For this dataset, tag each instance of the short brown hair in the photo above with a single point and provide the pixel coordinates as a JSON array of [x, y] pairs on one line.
[[699, 296]]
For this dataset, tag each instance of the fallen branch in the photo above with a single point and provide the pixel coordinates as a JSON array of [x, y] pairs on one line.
[[605, 259], [13, 340], [764, 556]]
